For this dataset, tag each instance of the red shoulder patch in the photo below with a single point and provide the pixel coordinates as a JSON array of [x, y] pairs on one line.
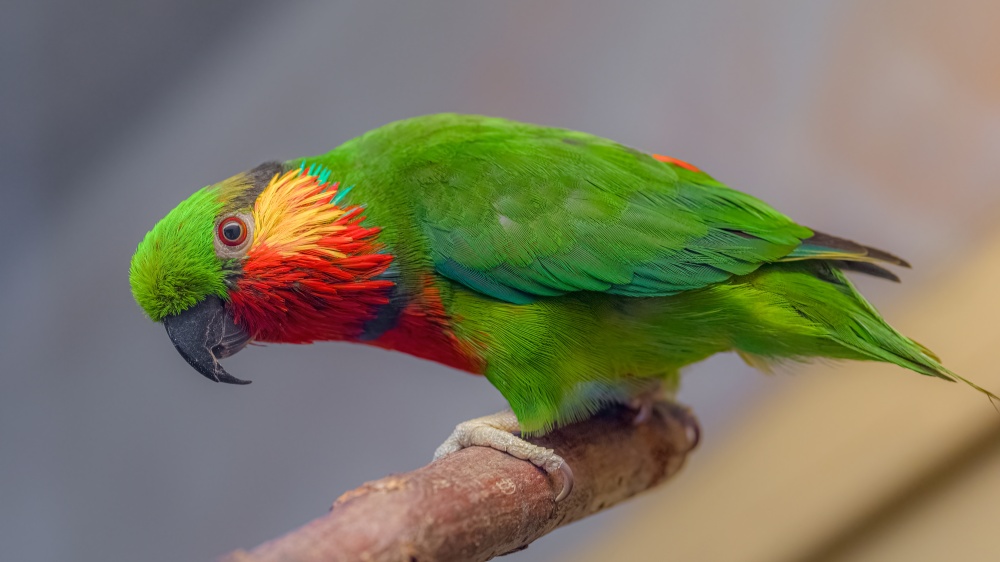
[[676, 162]]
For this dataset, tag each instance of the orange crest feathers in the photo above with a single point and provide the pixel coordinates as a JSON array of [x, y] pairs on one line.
[[313, 269], [294, 215]]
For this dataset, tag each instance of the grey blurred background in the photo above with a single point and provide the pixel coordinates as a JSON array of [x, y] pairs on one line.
[[112, 448]]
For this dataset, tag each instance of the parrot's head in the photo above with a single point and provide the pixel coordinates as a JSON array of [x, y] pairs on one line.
[[266, 255]]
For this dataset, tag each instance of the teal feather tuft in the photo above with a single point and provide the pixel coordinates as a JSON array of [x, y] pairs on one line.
[[340, 195]]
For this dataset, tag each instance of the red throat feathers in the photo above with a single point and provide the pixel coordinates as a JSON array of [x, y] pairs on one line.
[[314, 272]]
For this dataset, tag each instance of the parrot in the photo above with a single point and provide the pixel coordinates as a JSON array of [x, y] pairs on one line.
[[572, 272]]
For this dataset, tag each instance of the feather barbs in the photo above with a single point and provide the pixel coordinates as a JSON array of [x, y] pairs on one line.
[[313, 269], [293, 214]]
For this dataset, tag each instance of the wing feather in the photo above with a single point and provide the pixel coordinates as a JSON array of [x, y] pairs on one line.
[[518, 212]]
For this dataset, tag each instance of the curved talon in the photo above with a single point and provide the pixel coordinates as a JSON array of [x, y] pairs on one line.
[[567, 481], [643, 409], [644, 401]]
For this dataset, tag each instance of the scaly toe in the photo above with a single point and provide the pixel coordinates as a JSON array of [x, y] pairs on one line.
[[500, 432]]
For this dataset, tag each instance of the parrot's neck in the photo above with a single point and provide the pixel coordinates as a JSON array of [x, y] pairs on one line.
[[304, 307], [324, 285], [423, 328], [291, 307], [322, 273]]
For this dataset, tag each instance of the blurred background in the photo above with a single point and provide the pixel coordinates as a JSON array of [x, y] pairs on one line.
[[877, 121]]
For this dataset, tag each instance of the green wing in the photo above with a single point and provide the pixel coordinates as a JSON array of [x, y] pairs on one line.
[[518, 211]]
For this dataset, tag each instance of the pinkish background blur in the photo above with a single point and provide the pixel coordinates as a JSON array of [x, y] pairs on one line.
[[878, 121]]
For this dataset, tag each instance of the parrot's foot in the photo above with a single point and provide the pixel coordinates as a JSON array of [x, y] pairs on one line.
[[501, 431], [655, 396], [644, 402]]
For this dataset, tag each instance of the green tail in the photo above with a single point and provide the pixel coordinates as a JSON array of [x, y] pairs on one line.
[[823, 314]]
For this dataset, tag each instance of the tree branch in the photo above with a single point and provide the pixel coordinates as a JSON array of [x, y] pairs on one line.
[[479, 503]]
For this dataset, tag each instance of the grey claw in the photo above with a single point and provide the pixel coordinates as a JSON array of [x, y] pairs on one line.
[[644, 410], [567, 481]]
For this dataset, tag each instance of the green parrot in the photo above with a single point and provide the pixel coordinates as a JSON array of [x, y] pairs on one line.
[[571, 271]]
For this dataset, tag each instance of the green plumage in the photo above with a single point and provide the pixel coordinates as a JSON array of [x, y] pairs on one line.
[[175, 265], [578, 268]]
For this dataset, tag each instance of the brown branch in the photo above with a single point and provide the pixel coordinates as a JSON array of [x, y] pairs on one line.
[[479, 503]]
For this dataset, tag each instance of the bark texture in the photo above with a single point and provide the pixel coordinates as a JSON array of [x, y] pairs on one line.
[[479, 503]]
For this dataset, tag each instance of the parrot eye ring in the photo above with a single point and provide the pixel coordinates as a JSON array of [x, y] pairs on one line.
[[232, 231], [233, 235]]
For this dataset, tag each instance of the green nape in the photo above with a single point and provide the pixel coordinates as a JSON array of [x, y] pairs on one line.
[[175, 265]]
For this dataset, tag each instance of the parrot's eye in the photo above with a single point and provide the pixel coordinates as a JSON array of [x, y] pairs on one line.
[[232, 231], [233, 235]]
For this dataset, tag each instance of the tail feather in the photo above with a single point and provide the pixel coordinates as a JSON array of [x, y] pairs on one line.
[[824, 300], [955, 377], [868, 268], [882, 255], [822, 246]]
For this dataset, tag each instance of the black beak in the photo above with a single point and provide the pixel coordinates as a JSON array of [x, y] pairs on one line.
[[205, 333]]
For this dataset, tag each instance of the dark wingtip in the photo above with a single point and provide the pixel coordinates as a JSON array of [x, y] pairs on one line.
[[882, 255], [867, 268], [849, 246]]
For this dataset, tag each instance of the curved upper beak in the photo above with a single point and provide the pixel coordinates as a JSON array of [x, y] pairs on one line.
[[205, 333]]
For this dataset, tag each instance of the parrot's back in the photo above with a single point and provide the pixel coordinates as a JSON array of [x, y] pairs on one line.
[[572, 269]]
